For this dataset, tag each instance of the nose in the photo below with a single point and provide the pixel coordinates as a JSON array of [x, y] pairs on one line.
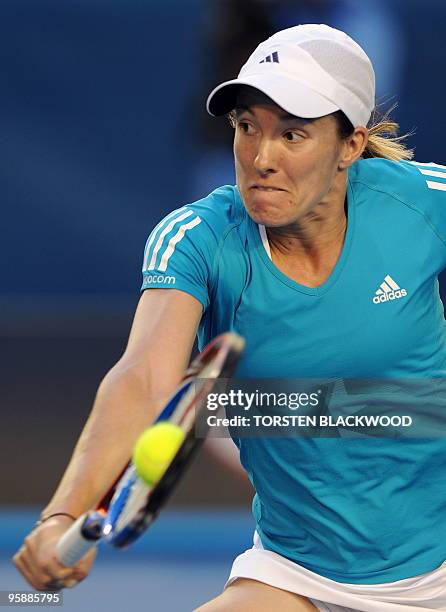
[[265, 160]]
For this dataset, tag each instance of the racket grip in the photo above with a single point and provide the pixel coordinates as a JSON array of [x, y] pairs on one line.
[[81, 537]]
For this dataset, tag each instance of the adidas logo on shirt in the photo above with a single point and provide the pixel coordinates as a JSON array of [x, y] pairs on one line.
[[388, 290]]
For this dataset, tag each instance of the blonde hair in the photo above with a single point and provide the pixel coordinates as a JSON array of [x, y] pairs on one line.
[[383, 140]]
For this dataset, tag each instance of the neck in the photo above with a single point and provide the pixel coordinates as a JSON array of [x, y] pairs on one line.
[[320, 230]]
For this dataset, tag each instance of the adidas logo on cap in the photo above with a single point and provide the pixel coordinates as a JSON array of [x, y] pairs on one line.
[[388, 290], [274, 57]]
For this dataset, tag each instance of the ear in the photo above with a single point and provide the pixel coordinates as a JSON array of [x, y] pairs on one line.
[[353, 147]]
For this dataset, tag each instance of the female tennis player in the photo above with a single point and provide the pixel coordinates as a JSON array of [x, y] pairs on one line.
[[325, 257]]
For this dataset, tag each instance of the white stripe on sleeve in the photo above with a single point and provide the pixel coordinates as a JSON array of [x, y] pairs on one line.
[[163, 234], [435, 185], [155, 232], [435, 173], [174, 241], [431, 164]]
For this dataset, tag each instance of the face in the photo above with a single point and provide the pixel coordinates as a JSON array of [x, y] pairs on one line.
[[287, 168]]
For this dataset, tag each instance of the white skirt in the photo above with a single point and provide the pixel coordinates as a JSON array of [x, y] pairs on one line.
[[416, 594]]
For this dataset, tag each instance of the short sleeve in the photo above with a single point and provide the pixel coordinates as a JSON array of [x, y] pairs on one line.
[[179, 254], [420, 186], [425, 190]]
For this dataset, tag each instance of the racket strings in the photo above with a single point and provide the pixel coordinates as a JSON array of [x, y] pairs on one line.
[[135, 504]]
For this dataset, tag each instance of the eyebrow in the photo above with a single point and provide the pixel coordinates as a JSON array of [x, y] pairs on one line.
[[287, 117]]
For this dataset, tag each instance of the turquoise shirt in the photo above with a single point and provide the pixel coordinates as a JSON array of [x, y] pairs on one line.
[[367, 510]]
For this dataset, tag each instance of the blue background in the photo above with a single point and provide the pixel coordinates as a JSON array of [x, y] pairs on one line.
[[102, 132]]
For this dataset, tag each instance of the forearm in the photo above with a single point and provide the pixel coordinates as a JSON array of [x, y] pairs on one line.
[[125, 404]]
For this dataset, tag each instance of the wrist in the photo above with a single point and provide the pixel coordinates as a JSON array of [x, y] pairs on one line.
[[45, 517]]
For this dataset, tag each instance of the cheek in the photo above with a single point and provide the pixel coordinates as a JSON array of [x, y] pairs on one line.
[[241, 161], [320, 168], [239, 150], [245, 151], [238, 172]]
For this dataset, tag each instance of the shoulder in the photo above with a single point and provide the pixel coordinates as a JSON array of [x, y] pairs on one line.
[[195, 230], [219, 212], [384, 187], [415, 184]]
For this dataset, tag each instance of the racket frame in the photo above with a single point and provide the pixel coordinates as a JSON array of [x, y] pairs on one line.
[[218, 360]]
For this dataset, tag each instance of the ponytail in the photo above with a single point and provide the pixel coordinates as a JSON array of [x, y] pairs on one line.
[[383, 140]]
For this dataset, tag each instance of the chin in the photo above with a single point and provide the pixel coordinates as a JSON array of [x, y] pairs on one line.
[[267, 215], [268, 220]]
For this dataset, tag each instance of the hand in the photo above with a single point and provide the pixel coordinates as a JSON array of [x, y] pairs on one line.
[[36, 560]]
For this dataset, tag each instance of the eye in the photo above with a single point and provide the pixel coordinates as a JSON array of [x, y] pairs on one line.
[[245, 127], [293, 136]]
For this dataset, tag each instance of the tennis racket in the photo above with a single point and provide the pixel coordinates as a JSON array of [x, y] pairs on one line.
[[131, 505]]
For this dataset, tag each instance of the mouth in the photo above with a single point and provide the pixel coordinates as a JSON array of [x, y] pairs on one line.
[[265, 188]]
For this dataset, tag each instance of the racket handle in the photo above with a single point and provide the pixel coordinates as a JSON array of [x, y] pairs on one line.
[[81, 537]]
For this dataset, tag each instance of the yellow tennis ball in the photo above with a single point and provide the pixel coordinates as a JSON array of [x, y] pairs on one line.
[[155, 449]]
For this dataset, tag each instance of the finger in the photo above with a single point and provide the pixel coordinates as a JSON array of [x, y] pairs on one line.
[[84, 565], [21, 561], [58, 570], [47, 571], [55, 585], [39, 576], [44, 576], [82, 569], [27, 573]]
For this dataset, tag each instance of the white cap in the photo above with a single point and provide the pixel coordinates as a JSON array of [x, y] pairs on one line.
[[310, 71]]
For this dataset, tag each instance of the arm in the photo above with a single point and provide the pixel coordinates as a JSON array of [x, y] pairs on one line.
[[128, 399], [130, 396]]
